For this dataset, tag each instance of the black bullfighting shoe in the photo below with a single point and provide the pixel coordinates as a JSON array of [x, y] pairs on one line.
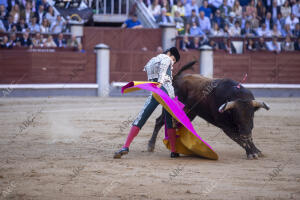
[[174, 155], [121, 152]]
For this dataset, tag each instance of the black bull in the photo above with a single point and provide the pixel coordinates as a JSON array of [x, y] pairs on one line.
[[222, 102]]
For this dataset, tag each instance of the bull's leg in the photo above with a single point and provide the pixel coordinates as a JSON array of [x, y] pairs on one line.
[[246, 143], [255, 149], [158, 124]]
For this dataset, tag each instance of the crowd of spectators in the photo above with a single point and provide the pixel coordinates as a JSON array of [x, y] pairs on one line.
[[35, 22], [197, 21]]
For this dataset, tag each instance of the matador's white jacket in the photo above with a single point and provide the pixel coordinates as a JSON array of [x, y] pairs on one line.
[[160, 68]]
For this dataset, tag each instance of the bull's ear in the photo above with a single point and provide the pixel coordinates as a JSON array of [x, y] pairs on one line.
[[257, 105]]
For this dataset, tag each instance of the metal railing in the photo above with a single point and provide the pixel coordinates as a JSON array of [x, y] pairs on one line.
[[110, 7]]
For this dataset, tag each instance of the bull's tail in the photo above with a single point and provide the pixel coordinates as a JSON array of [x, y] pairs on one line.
[[185, 67]]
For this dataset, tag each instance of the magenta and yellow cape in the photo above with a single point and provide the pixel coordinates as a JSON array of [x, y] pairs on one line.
[[188, 142]]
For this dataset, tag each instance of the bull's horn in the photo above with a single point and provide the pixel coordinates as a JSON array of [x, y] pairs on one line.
[[226, 106], [258, 104]]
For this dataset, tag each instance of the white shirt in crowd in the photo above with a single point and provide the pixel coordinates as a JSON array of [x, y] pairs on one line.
[[204, 24], [234, 31], [51, 18], [273, 47], [296, 9], [215, 3], [280, 2], [57, 27], [34, 28], [292, 22], [263, 32], [154, 11]]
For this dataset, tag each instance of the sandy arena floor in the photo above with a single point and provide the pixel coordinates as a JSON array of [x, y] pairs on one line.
[[62, 148]]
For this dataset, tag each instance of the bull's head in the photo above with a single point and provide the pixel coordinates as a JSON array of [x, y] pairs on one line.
[[242, 113]]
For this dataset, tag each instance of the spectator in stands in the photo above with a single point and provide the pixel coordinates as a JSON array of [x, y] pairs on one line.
[[72, 42], [297, 30], [268, 21], [237, 9], [287, 31], [225, 9], [185, 43], [296, 9], [60, 41], [9, 23], [261, 45], [292, 21], [286, 9], [261, 10], [226, 30], [22, 25], [26, 40], [263, 31], [231, 19], [218, 19], [155, 9], [50, 15], [58, 25], [213, 45], [287, 45], [235, 30], [2, 27], [27, 14], [274, 45], [38, 40], [195, 30], [14, 28], [5, 43], [204, 22], [275, 32], [227, 46], [15, 13], [13, 40], [179, 22], [3, 12], [280, 21], [297, 44], [45, 27], [250, 9], [49, 42], [188, 7], [196, 43], [207, 11], [254, 21], [215, 4], [193, 18], [133, 22], [44, 3], [10, 4], [178, 7], [216, 31], [163, 18], [244, 3], [250, 45], [248, 31], [40, 14], [275, 10], [33, 26], [166, 5]]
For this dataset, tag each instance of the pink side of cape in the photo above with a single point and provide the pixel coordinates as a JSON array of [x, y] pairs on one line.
[[176, 107]]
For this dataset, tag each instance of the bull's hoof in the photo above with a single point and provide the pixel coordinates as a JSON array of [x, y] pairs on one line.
[[260, 154], [151, 147], [252, 156]]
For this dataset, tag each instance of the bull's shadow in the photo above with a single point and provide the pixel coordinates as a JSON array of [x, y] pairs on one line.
[[222, 102]]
